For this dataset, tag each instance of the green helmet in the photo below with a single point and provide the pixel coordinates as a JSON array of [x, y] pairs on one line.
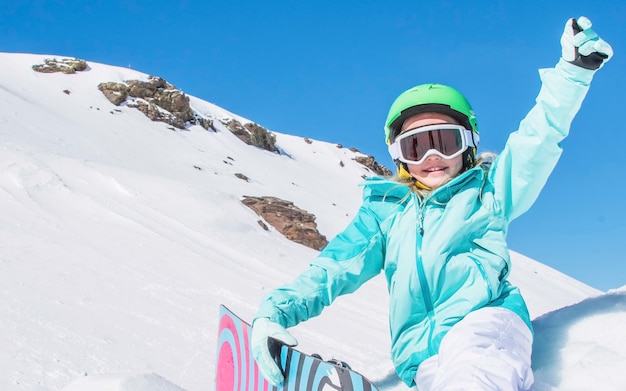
[[428, 98]]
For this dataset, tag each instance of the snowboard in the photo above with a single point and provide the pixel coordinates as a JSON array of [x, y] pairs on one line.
[[236, 369]]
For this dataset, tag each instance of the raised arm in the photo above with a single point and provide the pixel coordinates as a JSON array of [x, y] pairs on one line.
[[531, 153]]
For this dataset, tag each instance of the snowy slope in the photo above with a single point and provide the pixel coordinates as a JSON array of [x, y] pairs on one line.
[[119, 238]]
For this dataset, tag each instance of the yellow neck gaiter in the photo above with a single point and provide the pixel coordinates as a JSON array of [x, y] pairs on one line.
[[404, 174]]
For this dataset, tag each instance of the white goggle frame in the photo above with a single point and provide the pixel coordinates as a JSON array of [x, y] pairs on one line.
[[468, 139]]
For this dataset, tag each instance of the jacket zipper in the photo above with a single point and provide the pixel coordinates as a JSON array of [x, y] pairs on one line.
[[421, 273]]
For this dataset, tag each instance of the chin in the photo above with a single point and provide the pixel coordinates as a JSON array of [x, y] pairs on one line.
[[433, 184]]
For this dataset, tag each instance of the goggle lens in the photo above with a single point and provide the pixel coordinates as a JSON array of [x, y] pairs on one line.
[[447, 141]]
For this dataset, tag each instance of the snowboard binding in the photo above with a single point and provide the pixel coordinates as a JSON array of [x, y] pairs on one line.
[[333, 361]]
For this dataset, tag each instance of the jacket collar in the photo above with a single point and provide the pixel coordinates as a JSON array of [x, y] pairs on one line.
[[390, 189], [473, 177]]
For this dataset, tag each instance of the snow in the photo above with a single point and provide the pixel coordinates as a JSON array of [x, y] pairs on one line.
[[120, 238], [143, 382], [585, 340]]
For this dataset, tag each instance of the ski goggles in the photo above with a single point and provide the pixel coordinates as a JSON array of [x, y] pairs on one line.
[[445, 140]]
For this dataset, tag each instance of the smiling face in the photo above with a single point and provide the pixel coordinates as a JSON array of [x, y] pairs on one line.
[[435, 171]]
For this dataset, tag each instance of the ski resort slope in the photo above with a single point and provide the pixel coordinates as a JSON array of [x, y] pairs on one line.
[[120, 237]]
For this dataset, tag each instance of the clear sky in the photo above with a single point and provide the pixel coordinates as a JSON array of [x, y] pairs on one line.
[[329, 70]]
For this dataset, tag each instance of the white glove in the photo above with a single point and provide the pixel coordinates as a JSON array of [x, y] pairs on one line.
[[581, 46], [262, 329]]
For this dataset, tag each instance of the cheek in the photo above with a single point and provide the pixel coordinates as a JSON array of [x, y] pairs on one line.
[[458, 164]]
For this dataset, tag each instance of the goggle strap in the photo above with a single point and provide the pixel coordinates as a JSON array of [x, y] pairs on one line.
[[472, 138], [394, 150]]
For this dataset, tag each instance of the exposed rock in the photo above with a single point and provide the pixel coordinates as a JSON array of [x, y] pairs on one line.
[[65, 65], [157, 99], [242, 176], [294, 223], [152, 111], [372, 164], [116, 93], [261, 137], [163, 95], [206, 123], [238, 130], [253, 134], [147, 89]]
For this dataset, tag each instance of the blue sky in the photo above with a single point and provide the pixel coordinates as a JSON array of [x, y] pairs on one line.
[[329, 70]]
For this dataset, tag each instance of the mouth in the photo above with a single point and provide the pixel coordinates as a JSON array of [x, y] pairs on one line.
[[435, 169]]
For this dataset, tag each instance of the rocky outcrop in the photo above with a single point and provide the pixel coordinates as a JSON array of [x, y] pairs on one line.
[[252, 134], [65, 65], [261, 137], [372, 164], [116, 93], [161, 101], [157, 99], [294, 223], [238, 130]]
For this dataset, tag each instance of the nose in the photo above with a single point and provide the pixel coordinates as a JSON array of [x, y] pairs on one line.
[[433, 157]]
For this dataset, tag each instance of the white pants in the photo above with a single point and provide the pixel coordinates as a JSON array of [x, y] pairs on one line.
[[489, 349]]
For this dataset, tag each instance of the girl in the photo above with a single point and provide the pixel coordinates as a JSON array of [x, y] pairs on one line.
[[438, 233]]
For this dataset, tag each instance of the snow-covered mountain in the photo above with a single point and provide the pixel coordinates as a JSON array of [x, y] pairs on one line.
[[120, 237]]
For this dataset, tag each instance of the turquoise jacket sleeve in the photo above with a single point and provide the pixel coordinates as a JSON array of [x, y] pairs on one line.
[[521, 170], [350, 259]]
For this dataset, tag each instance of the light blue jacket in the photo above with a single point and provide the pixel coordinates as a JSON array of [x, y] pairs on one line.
[[446, 255]]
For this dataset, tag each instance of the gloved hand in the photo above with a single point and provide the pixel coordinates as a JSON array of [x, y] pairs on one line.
[[262, 329], [581, 45]]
